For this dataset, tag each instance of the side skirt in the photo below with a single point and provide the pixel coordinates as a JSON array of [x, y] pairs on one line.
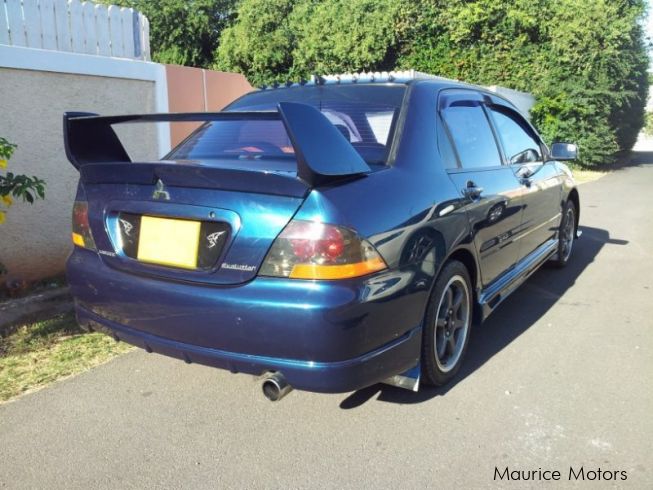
[[496, 292]]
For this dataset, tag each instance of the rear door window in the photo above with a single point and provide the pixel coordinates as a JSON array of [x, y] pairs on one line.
[[471, 134]]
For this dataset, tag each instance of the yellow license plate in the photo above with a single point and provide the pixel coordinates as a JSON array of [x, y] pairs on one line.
[[168, 241]]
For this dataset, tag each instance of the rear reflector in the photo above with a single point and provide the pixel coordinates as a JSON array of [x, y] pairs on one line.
[[313, 250]]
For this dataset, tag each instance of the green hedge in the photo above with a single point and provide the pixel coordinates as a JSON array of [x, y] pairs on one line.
[[584, 60]]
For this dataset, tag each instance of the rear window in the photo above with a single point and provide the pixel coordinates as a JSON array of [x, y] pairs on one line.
[[243, 140], [364, 114]]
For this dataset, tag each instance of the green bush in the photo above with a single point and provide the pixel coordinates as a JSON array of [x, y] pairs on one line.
[[584, 60], [183, 32], [15, 186]]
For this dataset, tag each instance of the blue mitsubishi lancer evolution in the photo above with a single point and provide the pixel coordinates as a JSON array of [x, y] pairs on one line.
[[324, 235]]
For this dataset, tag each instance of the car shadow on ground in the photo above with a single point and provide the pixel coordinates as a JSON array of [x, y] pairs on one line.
[[512, 318]]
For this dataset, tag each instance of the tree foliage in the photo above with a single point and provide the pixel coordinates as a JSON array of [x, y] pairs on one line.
[[584, 60], [274, 40], [260, 44], [15, 186], [183, 32]]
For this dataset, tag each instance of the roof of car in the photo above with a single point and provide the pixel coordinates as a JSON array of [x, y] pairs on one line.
[[405, 77], [400, 77]]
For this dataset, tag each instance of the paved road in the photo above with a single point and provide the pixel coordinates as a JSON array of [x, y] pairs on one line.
[[560, 376]]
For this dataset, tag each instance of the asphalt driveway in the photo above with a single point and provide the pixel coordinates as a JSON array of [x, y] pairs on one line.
[[559, 377]]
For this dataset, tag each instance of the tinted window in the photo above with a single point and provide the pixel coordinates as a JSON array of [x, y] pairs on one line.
[[241, 140], [471, 134], [518, 141], [447, 153], [364, 114]]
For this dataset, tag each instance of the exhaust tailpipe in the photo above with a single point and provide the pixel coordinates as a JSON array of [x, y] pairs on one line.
[[275, 386]]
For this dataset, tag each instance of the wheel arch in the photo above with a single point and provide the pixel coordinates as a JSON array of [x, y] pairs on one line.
[[468, 259]]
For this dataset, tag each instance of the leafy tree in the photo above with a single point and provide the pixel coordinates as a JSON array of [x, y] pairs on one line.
[[339, 35], [584, 60], [183, 32], [274, 40], [260, 44], [596, 86]]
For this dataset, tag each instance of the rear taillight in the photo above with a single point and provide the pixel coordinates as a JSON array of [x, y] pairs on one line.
[[82, 236], [313, 250]]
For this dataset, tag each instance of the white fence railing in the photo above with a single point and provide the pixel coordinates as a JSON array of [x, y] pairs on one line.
[[74, 26]]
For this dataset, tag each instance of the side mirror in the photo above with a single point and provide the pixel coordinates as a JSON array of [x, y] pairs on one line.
[[564, 151], [527, 156]]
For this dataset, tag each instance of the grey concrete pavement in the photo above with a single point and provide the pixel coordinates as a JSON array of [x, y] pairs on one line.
[[559, 376]]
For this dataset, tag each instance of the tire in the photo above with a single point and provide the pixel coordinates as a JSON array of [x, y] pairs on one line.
[[566, 235], [447, 325]]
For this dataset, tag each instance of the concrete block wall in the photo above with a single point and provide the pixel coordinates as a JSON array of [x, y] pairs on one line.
[[36, 87]]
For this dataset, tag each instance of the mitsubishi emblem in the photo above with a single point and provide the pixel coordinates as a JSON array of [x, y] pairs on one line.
[[160, 191]]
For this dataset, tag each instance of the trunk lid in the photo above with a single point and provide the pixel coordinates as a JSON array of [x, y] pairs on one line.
[[211, 212], [236, 215]]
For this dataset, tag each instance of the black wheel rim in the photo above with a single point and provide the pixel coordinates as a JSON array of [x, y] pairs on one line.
[[452, 323]]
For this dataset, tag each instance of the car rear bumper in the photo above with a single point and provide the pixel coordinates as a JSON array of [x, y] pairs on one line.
[[324, 377], [324, 337]]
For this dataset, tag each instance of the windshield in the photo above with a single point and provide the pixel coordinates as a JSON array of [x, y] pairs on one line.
[[364, 114]]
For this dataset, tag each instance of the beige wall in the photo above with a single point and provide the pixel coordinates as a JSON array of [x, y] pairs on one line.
[[35, 240]]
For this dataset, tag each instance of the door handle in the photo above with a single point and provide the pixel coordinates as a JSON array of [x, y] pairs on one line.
[[472, 191]]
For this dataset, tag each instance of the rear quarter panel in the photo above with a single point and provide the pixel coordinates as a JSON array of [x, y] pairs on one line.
[[411, 212]]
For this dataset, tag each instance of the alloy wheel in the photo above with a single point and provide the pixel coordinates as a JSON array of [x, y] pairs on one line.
[[452, 323]]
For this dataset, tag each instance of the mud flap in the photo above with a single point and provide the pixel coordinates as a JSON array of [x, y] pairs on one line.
[[408, 380]]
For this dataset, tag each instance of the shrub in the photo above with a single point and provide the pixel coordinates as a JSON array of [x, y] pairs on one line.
[[15, 186], [584, 60]]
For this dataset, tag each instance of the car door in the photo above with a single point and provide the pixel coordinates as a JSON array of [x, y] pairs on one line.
[[540, 180], [491, 192]]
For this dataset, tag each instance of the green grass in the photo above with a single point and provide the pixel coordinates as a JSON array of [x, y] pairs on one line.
[[582, 175], [40, 353]]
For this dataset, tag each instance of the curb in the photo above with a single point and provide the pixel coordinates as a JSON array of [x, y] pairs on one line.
[[36, 307]]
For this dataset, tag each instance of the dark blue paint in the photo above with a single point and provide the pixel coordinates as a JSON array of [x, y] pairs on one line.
[[326, 336]]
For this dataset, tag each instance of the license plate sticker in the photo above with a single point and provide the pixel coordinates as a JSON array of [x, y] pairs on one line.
[[172, 242]]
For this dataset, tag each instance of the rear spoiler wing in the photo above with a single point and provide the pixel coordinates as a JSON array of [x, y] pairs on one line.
[[323, 154]]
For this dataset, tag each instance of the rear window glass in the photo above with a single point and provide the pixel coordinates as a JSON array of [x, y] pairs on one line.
[[364, 114], [236, 139]]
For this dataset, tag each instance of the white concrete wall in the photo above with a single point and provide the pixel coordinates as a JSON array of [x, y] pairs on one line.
[[36, 87]]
